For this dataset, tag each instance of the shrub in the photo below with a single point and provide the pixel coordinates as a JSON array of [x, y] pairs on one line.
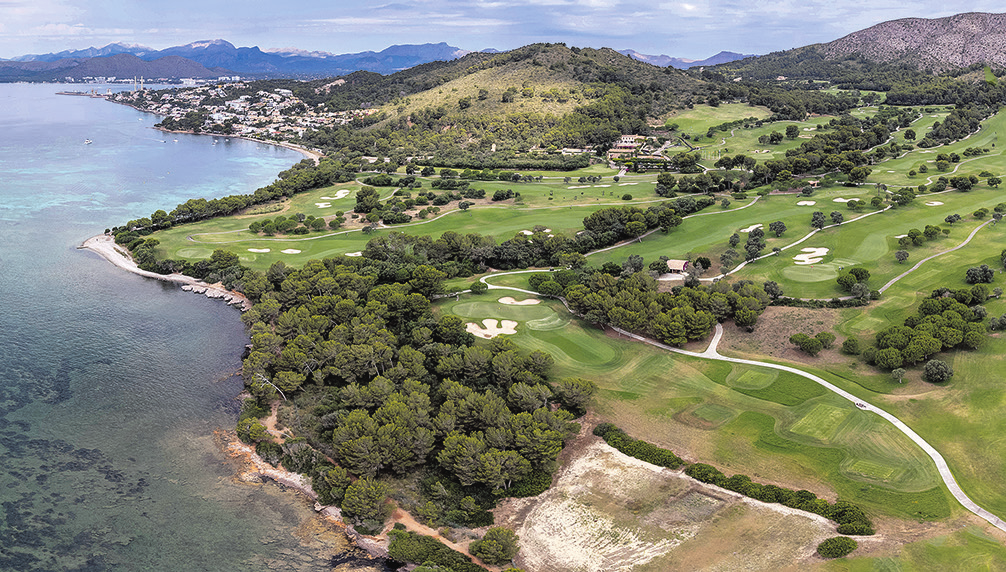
[[499, 545], [836, 547], [851, 346], [626, 197]]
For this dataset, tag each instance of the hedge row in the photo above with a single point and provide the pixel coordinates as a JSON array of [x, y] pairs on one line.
[[850, 518], [637, 448]]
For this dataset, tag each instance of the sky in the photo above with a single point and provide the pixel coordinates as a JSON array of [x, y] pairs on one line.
[[693, 29]]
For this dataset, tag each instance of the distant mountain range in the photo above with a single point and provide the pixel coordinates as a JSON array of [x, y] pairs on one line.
[[680, 63], [219, 57]]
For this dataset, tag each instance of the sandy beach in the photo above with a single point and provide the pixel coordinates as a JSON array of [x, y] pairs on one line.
[[105, 246]]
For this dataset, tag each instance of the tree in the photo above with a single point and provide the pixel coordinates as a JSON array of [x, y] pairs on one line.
[[367, 199], [427, 280], [575, 393], [836, 217], [898, 374], [851, 346], [817, 219], [859, 174], [499, 545], [836, 547], [364, 501], [901, 256], [826, 339], [792, 131], [860, 290], [909, 135], [979, 275], [478, 287], [773, 289], [888, 358], [778, 227], [994, 182], [937, 371]]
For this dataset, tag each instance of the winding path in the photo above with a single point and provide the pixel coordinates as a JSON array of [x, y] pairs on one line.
[[712, 353], [928, 258]]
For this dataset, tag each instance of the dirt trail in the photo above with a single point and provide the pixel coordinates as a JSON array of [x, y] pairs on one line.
[[411, 524]]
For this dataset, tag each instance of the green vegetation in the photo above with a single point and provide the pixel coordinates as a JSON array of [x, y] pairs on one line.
[[383, 378]]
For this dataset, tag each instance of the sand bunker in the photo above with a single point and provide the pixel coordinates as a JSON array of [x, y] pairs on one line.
[[812, 256], [750, 228], [602, 185], [491, 329], [322, 205], [579, 187], [933, 203], [354, 253], [624, 184], [338, 195], [529, 233], [258, 250], [512, 302], [806, 203], [290, 251], [841, 200], [901, 236]]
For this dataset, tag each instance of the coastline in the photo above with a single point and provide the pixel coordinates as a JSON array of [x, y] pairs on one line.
[[104, 245], [302, 150]]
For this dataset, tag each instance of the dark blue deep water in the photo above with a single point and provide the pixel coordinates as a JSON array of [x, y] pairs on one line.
[[111, 385]]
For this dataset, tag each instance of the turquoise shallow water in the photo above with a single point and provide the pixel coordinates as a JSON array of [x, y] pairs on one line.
[[111, 385]]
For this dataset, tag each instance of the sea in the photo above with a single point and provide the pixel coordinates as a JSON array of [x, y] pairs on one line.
[[114, 388]]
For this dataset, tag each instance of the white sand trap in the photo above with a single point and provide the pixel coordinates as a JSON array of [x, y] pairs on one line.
[[626, 184], [806, 203], [931, 161], [804, 136], [290, 251], [359, 253], [808, 128], [841, 200], [933, 203], [512, 302], [602, 185], [901, 236], [323, 205], [338, 195], [548, 230], [812, 256], [258, 250], [579, 187], [526, 232], [750, 228], [491, 329]]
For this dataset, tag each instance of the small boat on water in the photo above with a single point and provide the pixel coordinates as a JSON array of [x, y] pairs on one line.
[[87, 141]]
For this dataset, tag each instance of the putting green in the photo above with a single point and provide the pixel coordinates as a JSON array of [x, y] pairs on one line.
[[481, 310], [753, 379], [873, 470], [819, 272], [821, 423], [195, 252], [553, 322], [715, 414]]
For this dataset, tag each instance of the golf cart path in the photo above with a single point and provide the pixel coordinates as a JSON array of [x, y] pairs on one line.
[[712, 353]]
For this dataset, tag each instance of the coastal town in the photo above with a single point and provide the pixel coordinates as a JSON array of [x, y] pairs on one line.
[[238, 109]]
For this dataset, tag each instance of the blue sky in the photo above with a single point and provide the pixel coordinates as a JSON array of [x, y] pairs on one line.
[[682, 28]]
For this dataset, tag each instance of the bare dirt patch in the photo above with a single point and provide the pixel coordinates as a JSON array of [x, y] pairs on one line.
[[771, 335], [608, 512]]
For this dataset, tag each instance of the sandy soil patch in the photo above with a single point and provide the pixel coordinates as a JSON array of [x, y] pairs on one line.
[[338, 195], [510, 301], [290, 251], [610, 512], [358, 253], [492, 328], [752, 227], [775, 326], [806, 203], [810, 256], [258, 250], [933, 203], [841, 200], [323, 205], [901, 236]]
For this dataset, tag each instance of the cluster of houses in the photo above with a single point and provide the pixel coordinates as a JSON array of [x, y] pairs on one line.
[[270, 114]]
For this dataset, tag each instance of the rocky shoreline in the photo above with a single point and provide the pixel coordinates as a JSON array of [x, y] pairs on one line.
[[104, 245]]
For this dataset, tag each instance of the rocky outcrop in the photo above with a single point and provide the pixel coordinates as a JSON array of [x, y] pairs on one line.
[[938, 44]]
